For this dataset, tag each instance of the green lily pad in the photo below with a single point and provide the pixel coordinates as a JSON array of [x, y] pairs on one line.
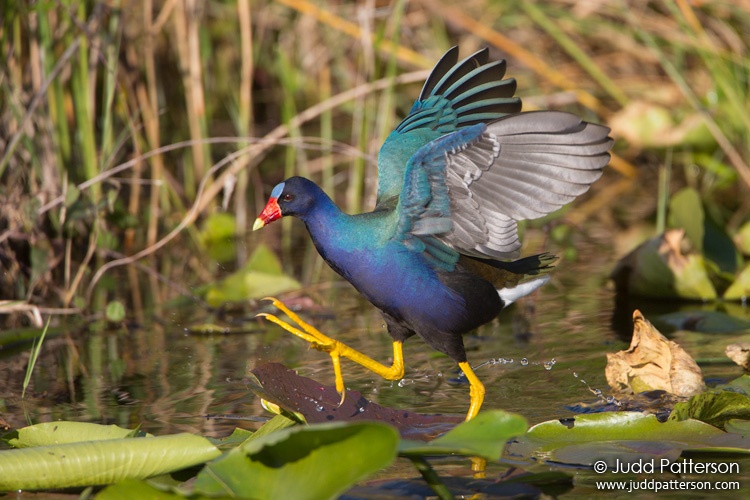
[[611, 452], [612, 426], [131, 488], [740, 384], [484, 436], [627, 436], [100, 462], [738, 426], [51, 433], [302, 462], [703, 321], [714, 408]]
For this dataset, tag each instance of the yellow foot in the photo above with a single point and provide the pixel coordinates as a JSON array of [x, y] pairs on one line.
[[337, 349], [476, 390], [479, 467]]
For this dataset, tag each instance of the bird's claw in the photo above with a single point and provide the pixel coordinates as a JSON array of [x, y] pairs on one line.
[[314, 337]]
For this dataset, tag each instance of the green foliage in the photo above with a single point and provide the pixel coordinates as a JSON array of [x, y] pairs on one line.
[[115, 311], [617, 436], [730, 402], [83, 463], [484, 436], [319, 461], [714, 408], [695, 260], [217, 235], [35, 349], [54, 433], [280, 460], [260, 277]]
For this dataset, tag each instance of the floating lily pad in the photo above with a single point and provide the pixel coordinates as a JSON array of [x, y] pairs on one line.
[[738, 426], [484, 436], [51, 433], [714, 408], [131, 488], [740, 384], [703, 321], [302, 462], [612, 426], [100, 462], [611, 452], [629, 436]]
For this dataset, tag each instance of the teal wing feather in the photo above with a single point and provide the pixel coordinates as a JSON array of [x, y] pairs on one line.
[[454, 96], [464, 192], [424, 207]]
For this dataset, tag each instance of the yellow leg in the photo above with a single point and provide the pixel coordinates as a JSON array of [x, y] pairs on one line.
[[476, 390], [337, 349], [478, 465]]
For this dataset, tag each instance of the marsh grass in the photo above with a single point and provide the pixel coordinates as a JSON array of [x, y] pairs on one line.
[[122, 126]]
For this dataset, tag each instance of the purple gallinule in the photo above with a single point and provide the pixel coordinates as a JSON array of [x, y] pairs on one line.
[[436, 254]]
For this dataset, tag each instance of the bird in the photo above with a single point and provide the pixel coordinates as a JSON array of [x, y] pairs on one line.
[[438, 255]]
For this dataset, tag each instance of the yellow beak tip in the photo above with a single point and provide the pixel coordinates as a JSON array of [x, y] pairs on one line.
[[258, 224]]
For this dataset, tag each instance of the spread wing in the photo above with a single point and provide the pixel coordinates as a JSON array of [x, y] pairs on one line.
[[455, 95], [466, 191]]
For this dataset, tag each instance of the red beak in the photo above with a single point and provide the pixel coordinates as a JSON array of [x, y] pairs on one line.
[[269, 214]]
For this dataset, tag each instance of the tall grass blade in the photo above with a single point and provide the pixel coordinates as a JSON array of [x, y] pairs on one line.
[[36, 348]]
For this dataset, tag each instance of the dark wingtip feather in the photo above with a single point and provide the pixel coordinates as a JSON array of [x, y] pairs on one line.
[[442, 67]]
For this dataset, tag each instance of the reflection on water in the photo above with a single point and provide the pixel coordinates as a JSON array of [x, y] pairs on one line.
[[168, 380]]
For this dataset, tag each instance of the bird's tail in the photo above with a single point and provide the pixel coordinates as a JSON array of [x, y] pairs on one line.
[[509, 274], [511, 294]]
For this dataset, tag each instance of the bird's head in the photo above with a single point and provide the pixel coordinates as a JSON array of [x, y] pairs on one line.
[[295, 196]]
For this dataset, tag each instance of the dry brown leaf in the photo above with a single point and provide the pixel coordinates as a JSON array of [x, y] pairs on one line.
[[652, 362], [740, 354]]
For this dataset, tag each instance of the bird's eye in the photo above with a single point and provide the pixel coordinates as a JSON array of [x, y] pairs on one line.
[[287, 197]]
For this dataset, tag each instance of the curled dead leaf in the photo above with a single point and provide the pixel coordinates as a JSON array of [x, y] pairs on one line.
[[740, 354], [652, 362]]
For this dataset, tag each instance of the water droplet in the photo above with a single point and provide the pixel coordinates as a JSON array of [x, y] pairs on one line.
[[361, 409], [548, 365], [524, 361], [575, 374], [598, 392], [318, 408]]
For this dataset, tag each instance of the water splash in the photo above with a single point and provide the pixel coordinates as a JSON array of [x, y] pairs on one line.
[[598, 392]]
